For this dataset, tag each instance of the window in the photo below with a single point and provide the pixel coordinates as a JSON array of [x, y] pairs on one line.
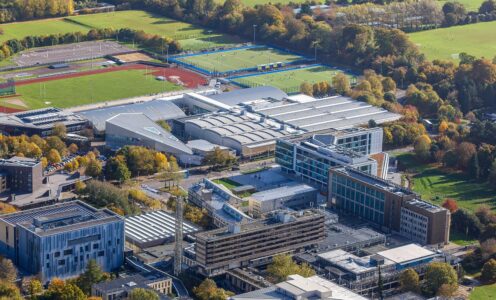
[[61, 262], [95, 246], [68, 252], [101, 253], [57, 254]]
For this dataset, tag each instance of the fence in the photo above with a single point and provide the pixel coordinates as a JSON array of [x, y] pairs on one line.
[[8, 88]]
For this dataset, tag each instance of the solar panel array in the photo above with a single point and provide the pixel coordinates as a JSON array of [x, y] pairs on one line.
[[156, 225]]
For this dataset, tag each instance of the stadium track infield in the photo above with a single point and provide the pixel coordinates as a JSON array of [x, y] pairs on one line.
[[190, 79]]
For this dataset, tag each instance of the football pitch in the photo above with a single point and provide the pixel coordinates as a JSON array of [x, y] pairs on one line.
[[190, 37], [68, 92], [225, 61], [290, 80], [446, 43]]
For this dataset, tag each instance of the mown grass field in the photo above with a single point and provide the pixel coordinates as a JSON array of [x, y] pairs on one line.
[[94, 88], [446, 43], [191, 37], [435, 185], [290, 81], [484, 292], [239, 59], [470, 5]]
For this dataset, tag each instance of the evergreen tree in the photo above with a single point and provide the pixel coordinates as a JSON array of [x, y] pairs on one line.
[[473, 167]]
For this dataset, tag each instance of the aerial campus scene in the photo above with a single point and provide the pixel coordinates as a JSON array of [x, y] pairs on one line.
[[247, 149]]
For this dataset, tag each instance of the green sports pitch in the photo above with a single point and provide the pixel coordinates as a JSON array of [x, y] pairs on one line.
[[69, 92], [290, 80], [225, 61]]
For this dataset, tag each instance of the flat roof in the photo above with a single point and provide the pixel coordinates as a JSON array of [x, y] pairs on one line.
[[238, 96], [41, 118], [17, 161], [155, 110], [60, 217], [406, 253], [283, 191], [154, 225]]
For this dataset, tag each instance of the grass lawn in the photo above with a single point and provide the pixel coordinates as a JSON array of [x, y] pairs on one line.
[[484, 292], [92, 89], [462, 239], [290, 81], [239, 59], [20, 30], [470, 5], [228, 183], [191, 37], [435, 185], [446, 43]]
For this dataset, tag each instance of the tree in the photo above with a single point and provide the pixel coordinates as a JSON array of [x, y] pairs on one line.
[[219, 159], [488, 233], [372, 123], [341, 84], [443, 126], [60, 290], [164, 125], [94, 168], [283, 265], [60, 130], [8, 271], [53, 156], [116, 169], [488, 272], [450, 204], [465, 151], [143, 294], [474, 169], [388, 85], [34, 287], [93, 274], [6, 208], [409, 280], [447, 290], [492, 174], [208, 290], [437, 274], [422, 147], [306, 88], [466, 223], [161, 162], [73, 148], [9, 291]]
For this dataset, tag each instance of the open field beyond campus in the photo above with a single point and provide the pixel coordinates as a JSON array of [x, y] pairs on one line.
[[446, 43], [94, 86], [261, 2], [484, 292], [191, 37], [290, 80], [470, 5], [435, 185], [239, 59]]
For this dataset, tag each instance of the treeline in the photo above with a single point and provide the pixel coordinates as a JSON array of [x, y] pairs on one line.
[[455, 13], [19, 10], [154, 43]]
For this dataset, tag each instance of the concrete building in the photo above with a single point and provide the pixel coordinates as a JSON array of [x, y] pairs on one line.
[[360, 273], [295, 195], [219, 202], [154, 228], [255, 243], [119, 289], [310, 157], [20, 175], [391, 207], [58, 240], [138, 129], [298, 287], [41, 122], [251, 128], [155, 110]]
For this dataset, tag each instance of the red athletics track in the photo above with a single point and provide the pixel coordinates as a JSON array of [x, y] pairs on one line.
[[190, 79]]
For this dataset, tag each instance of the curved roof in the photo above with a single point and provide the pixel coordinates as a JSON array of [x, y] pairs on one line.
[[245, 95]]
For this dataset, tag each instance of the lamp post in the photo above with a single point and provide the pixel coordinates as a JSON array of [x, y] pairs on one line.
[[254, 33]]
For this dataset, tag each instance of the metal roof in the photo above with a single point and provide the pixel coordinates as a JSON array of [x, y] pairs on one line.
[[407, 253], [283, 191], [245, 95], [142, 125], [155, 110], [155, 225]]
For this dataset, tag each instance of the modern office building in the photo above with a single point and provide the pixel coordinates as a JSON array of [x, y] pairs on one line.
[[391, 207], [220, 204], [360, 273], [120, 288], [301, 288], [310, 156], [41, 122], [138, 129], [255, 243], [21, 175], [295, 195], [58, 240]]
